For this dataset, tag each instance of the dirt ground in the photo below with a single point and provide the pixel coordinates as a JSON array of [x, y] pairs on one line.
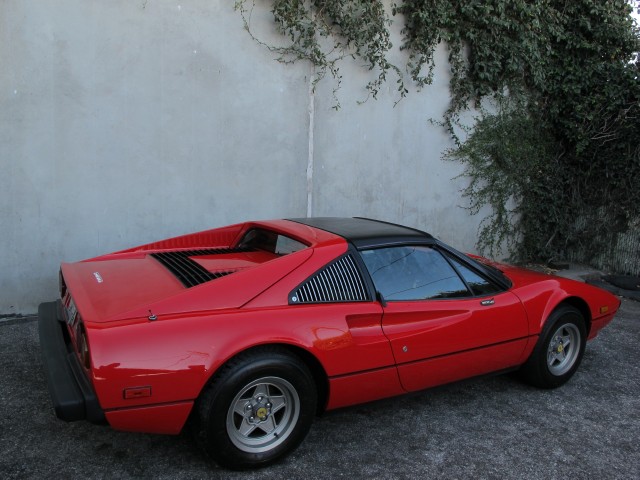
[[488, 428]]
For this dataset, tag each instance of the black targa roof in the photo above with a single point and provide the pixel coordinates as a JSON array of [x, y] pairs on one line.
[[365, 232]]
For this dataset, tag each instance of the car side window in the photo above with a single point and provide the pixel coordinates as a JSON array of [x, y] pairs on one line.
[[479, 285], [413, 273]]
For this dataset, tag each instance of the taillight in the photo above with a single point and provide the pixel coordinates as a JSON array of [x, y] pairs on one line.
[[83, 346], [62, 286]]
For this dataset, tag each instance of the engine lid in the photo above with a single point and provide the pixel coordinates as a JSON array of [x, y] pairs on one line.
[[143, 284]]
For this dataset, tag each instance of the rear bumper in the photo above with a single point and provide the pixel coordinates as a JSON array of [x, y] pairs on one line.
[[71, 391]]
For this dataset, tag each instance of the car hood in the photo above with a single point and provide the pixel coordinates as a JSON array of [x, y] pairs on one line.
[[518, 276], [139, 284]]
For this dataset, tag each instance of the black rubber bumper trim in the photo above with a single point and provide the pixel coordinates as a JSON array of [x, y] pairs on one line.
[[71, 391]]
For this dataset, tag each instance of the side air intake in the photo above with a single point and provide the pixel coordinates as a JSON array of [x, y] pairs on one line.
[[339, 281]]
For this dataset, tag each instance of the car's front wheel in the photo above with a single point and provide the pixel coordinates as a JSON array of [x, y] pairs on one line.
[[559, 350], [258, 408]]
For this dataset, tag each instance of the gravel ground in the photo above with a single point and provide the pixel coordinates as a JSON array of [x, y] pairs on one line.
[[488, 428]]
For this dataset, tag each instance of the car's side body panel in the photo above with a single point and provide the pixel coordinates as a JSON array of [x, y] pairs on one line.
[[471, 363], [177, 356], [492, 331], [364, 387], [423, 329]]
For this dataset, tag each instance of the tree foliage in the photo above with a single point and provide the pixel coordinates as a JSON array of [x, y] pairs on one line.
[[558, 155]]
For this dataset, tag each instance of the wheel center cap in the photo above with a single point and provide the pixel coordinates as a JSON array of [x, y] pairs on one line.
[[261, 413], [560, 348]]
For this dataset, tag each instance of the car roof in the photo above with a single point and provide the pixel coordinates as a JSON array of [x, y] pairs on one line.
[[365, 232]]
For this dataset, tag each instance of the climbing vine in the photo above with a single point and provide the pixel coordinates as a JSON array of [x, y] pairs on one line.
[[554, 150], [325, 32]]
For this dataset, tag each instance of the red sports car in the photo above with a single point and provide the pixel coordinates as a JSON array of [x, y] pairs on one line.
[[251, 330]]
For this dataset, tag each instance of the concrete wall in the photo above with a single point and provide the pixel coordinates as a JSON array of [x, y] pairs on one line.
[[123, 122]]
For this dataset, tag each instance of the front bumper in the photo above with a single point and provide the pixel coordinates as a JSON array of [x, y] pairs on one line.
[[598, 324], [71, 391]]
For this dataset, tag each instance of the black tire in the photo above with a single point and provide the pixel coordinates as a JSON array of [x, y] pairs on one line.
[[257, 409], [559, 350]]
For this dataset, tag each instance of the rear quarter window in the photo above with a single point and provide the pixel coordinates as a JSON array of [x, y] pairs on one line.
[[269, 241]]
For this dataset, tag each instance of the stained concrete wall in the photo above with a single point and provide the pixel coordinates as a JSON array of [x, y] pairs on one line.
[[382, 158], [123, 122]]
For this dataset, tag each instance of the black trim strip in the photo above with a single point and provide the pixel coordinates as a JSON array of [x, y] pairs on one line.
[[147, 405], [444, 355], [362, 372], [359, 372]]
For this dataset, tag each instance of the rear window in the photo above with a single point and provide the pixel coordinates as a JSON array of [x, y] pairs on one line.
[[268, 241]]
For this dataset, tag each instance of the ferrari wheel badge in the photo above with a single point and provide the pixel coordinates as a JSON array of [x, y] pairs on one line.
[[261, 413]]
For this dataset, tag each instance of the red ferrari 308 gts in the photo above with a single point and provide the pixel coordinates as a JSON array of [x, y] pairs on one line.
[[251, 330]]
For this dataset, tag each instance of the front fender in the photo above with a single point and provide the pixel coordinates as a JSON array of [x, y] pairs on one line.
[[540, 299]]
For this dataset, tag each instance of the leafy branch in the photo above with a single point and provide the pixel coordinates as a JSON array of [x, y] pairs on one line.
[[325, 32]]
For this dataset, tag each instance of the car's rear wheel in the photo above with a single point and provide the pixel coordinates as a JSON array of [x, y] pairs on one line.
[[559, 350], [257, 409]]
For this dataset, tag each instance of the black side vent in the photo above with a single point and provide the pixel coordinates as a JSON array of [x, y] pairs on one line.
[[189, 272], [339, 281]]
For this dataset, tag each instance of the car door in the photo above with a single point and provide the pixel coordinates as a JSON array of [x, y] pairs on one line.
[[445, 321]]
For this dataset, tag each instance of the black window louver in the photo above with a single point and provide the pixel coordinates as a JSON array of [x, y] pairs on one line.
[[191, 273], [339, 281]]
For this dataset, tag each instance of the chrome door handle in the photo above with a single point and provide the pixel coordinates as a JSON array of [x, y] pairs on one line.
[[486, 303]]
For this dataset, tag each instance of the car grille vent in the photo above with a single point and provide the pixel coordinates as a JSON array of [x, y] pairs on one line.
[[339, 281], [191, 273]]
